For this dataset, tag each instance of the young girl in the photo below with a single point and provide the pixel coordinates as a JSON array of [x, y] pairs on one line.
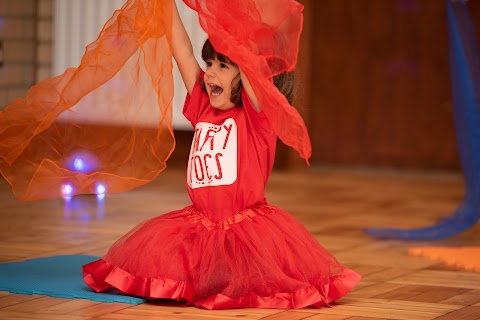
[[230, 249]]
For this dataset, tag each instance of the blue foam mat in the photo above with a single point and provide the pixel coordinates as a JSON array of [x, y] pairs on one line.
[[57, 276]]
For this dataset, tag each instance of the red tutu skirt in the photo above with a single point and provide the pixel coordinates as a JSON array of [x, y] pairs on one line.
[[261, 257]]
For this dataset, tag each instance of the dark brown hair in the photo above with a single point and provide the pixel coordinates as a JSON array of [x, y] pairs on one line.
[[285, 81]]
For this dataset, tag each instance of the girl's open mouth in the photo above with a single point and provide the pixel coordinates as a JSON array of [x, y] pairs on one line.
[[215, 90]]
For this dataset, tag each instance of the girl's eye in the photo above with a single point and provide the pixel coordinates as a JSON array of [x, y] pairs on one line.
[[223, 65], [209, 64]]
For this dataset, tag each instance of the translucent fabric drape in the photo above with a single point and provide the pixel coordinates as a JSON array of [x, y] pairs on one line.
[[262, 37], [47, 145], [465, 83], [124, 76]]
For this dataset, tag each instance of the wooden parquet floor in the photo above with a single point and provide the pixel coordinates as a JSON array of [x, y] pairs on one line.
[[335, 205]]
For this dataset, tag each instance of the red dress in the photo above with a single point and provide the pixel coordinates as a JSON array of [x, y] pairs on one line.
[[230, 249]]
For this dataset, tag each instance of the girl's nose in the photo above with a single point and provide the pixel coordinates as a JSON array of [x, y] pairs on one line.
[[210, 72]]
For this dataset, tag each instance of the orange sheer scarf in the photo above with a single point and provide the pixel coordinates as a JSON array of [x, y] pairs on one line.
[[45, 141], [48, 140]]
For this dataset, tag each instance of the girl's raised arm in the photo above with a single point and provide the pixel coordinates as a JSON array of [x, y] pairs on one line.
[[183, 52], [251, 95]]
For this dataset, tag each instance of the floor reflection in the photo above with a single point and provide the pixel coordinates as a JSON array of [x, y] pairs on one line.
[[85, 207]]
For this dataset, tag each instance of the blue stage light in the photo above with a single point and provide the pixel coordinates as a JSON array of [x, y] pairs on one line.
[[67, 191], [82, 162], [79, 164], [100, 189]]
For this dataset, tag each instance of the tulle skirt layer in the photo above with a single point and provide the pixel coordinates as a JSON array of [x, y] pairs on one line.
[[261, 257]]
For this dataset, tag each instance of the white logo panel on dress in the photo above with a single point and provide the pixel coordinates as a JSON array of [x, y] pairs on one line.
[[213, 155]]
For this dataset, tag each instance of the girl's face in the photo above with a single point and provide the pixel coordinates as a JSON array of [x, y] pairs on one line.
[[220, 77]]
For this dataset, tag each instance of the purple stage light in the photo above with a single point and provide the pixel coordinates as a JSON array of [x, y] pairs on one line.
[[67, 191], [79, 164], [82, 162], [100, 189]]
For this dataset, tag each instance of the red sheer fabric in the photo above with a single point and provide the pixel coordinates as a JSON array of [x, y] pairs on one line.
[[48, 139], [262, 37]]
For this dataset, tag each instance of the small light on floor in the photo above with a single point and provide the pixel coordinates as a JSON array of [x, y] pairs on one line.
[[67, 191], [100, 191]]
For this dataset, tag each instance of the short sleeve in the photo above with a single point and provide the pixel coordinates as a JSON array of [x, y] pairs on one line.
[[258, 119], [195, 103]]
